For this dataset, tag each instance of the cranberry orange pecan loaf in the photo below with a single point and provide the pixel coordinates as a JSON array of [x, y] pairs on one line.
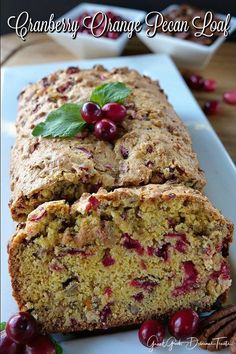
[[153, 145], [120, 257]]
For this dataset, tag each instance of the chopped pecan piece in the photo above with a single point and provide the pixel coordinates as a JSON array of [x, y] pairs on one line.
[[217, 331], [232, 344]]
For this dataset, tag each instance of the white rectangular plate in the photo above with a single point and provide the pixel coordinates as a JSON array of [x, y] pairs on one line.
[[220, 172]]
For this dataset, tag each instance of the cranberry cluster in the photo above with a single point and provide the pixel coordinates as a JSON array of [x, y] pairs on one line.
[[22, 335], [182, 325], [100, 29], [105, 119], [210, 107]]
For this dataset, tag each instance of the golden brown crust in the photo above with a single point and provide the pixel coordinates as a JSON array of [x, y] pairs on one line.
[[153, 146]]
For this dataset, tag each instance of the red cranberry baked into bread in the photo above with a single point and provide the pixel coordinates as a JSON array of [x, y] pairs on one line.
[[152, 146], [117, 258]]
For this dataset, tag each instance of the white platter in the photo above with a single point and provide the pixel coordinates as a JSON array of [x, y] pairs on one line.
[[219, 168]]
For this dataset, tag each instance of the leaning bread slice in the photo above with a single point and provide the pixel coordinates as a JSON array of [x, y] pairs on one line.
[[117, 258]]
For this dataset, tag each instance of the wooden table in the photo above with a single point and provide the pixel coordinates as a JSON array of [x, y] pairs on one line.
[[39, 48]]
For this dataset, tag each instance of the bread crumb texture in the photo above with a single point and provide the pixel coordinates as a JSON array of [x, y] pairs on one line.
[[117, 258]]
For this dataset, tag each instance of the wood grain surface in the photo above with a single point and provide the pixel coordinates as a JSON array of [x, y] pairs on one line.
[[39, 48]]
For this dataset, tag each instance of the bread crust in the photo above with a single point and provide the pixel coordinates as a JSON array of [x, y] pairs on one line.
[[153, 144]]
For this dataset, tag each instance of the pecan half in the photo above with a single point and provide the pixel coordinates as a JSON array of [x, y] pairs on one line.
[[232, 344], [217, 331]]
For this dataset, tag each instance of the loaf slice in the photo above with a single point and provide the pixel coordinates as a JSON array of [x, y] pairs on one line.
[[117, 258], [153, 145]]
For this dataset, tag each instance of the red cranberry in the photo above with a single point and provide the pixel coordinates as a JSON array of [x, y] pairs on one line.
[[110, 15], [41, 344], [64, 87], [21, 328], [190, 279], [72, 70], [211, 107], [151, 333], [108, 291], [113, 35], [230, 97], [93, 203], [224, 272], [131, 243], [7, 346], [107, 260], [195, 82], [162, 251], [106, 312], [183, 324], [209, 85], [105, 130], [114, 111], [144, 283], [138, 297], [99, 32], [91, 112]]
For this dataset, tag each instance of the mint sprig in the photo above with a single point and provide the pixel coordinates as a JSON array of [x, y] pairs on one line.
[[111, 92], [57, 346], [2, 326], [66, 121]]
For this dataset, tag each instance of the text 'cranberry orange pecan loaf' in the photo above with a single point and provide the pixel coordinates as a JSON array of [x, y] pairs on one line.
[[115, 229], [152, 144], [116, 258]]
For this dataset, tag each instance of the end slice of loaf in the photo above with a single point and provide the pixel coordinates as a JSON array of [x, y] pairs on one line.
[[153, 145], [117, 258]]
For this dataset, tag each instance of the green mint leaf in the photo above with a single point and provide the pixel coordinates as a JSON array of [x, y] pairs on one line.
[[2, 326], [110, 92], [64, 122], [57, 346]]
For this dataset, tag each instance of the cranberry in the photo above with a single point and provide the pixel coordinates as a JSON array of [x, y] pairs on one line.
[[105, 130], [138, 297], [41, 344], [195, 82], [91, 112], [190, 279], [38, 215], [93, 203], [181, 243], [21, 328], [211, 107], [110, 15], [106, 312], [209, 85], [7, 346], [64, 87], [107, 260], [162, 251], [72, 70], [113, 35], [151, 333], [144, 283], [223, 272], [114, 111], [131, 243], [230, 97], [99, 32], [183, 324], [108, 291]]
